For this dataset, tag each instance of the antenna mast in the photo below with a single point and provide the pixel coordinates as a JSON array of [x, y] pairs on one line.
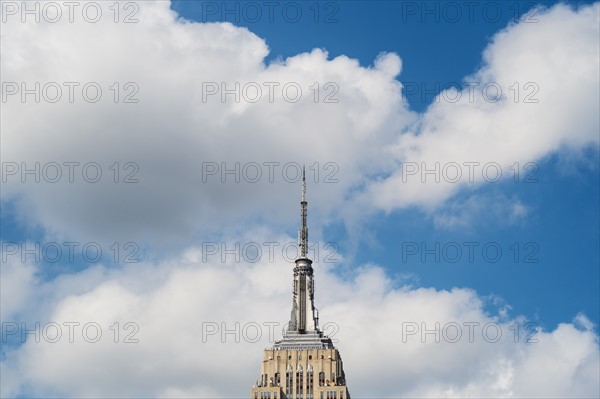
[[304, 230]]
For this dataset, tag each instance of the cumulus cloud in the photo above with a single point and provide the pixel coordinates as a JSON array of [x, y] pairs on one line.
[[379, 326], [176, 126], [535, 94], [360, 142], [462, 213], [17, 278]]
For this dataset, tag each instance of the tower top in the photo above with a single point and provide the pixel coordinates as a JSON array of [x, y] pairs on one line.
[[303, 184], [303, 329], [303, 233]]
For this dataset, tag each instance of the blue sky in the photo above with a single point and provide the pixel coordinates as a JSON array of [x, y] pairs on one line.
[[396, 66]]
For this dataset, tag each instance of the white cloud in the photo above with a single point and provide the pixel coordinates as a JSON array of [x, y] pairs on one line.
[[17, 278], [174, 358], [558, 58], [463, 213], [171, 131]]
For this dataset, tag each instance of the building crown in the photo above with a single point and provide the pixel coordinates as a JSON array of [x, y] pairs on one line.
[[303, 328]]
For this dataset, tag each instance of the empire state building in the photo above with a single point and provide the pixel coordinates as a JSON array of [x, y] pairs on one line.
[[304, 364]]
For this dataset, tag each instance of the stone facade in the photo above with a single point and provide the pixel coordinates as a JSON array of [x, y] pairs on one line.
[[313, 373]]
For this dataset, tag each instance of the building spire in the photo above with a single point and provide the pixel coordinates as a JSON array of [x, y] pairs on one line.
[[302, 340], [304, 230]]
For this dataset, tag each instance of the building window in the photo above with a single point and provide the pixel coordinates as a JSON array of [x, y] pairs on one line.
[[321, 378], [299, 382], [309, 383], [289, 376], [277, 379]]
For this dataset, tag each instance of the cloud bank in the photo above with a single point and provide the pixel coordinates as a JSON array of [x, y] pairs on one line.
[[187, 312], [171, 140]]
